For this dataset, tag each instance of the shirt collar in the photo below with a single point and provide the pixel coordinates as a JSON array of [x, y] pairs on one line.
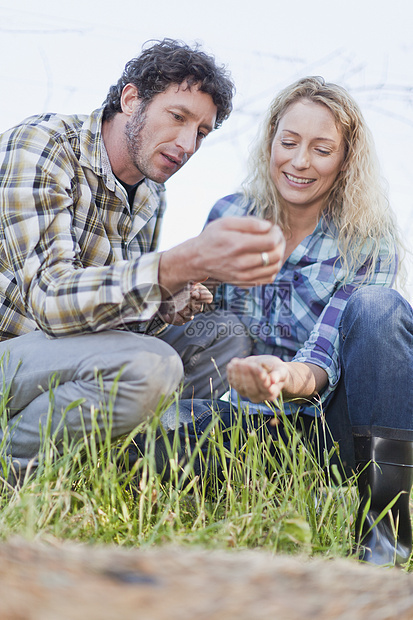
[[93, 153]]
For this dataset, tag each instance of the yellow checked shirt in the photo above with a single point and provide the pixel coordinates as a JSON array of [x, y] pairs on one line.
[[73, 256]]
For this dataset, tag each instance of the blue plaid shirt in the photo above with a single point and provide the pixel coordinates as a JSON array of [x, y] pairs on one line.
[[297, 317]]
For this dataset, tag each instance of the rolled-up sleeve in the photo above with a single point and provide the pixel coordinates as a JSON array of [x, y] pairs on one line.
[[322, 346]]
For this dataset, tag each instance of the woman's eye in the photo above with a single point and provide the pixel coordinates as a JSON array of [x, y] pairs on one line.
[[323, 152], [287, 144]]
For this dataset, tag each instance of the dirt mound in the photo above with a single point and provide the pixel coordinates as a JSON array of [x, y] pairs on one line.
[[54, 581]]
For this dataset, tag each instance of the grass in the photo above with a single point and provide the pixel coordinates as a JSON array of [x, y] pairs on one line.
[[282, 502]]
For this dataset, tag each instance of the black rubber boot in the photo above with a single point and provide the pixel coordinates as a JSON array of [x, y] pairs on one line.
[[385, 468]]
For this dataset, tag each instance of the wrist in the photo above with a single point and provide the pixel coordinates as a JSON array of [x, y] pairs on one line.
[[179, 266]]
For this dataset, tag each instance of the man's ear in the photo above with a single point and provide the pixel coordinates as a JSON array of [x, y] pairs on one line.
[[129, 99]]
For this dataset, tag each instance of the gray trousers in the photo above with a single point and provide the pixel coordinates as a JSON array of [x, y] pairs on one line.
[[206, 345], [145, 368]]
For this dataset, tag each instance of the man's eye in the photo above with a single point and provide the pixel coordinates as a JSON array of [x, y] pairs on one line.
[[201, 135], [177, 117]]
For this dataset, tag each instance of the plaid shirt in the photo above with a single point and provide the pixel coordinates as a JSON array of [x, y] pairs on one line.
[[74, 256], [297, 317]]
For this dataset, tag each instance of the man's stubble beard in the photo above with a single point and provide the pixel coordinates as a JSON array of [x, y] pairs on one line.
[[135, 140]]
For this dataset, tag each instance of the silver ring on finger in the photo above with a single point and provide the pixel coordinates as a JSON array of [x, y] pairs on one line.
[[265, 259]]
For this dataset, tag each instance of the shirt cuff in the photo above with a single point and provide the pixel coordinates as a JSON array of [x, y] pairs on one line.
[[330, 366], [143, 293]]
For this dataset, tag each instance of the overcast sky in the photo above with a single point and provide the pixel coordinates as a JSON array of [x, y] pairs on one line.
[[62, 57]]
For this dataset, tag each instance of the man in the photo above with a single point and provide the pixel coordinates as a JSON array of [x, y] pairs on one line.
[[81, 285]]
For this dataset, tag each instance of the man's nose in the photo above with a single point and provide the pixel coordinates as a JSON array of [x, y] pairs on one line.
[[187, 140]]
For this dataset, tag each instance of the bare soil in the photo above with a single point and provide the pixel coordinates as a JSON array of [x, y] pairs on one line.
[[62, 581]]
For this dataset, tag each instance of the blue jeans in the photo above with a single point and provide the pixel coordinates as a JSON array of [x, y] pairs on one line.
[[374, 393], [376, 352]]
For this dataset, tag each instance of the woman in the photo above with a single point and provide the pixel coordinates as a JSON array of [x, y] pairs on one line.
[[329, 334]]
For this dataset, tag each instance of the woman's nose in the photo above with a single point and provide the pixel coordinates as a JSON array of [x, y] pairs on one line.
[[301, 159]]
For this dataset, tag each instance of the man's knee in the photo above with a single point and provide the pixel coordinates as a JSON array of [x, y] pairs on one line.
[[138, 372], [154, 373], [164, 371]]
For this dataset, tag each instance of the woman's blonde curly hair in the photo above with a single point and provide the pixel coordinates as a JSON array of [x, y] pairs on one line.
[[357, 204]]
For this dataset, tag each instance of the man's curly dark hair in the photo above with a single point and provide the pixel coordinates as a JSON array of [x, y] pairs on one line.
[[173, 62]]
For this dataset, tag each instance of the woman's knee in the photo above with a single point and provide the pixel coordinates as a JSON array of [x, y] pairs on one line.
[[375, 307]]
